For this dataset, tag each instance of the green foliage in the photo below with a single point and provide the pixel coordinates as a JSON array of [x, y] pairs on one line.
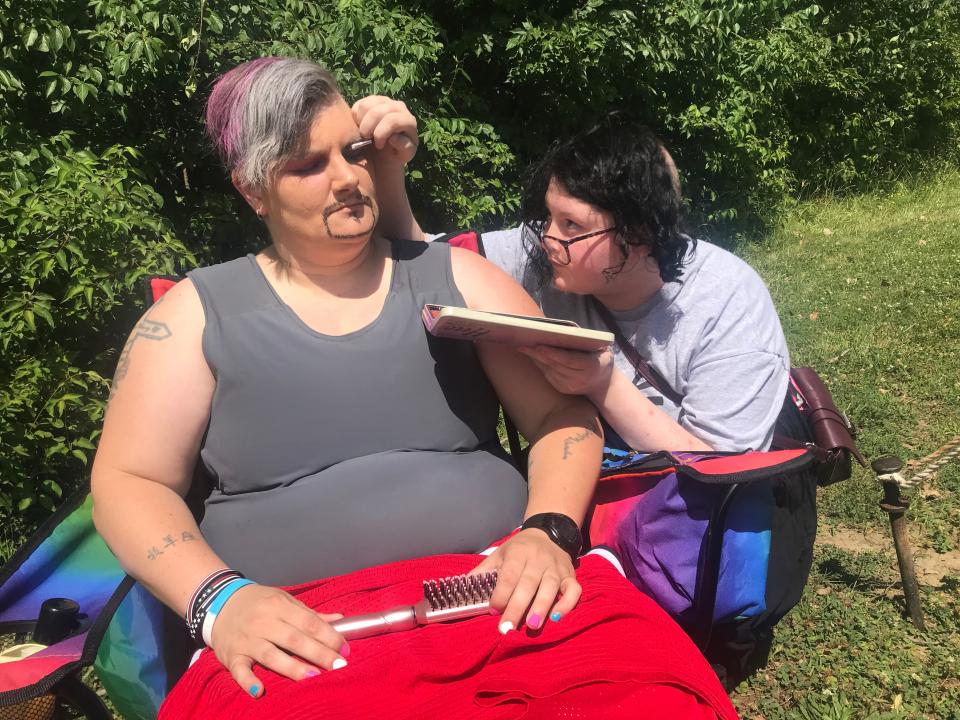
[[761, 101], [79, 230], [105, 177], [106, 174]]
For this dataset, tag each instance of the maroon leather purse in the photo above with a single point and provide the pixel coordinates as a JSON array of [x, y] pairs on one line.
[[831, 431]]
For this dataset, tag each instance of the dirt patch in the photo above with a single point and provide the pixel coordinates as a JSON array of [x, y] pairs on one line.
[[931, 566]]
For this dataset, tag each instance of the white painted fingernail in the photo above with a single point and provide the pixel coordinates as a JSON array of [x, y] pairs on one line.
[[505, 627], [338, 663]]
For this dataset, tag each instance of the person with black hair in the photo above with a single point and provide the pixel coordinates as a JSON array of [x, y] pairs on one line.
[[602, 244]]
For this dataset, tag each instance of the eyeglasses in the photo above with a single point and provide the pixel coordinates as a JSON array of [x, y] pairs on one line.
[[552, 245]]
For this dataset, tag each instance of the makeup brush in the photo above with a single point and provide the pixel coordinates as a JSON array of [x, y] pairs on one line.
[[358, 147], [449, 598]]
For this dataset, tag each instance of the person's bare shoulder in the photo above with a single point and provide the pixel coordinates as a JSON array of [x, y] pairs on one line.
[[180, 303], [172, 325], [161, 374], [486, 287]]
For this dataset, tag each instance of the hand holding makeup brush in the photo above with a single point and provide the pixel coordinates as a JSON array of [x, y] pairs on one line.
[[390, 124], [393, 129]]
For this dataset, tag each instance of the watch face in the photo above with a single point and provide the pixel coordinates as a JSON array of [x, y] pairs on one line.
[[567, 532], [561, 530]]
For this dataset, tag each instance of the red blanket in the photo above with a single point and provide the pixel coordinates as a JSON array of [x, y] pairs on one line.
[[616, 655]]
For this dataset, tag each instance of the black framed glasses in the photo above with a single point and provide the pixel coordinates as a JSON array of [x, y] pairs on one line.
[[552, 245]]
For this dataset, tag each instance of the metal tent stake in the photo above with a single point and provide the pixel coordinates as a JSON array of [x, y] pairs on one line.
[[888, 473]]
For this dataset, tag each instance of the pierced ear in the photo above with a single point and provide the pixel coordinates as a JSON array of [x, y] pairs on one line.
[[251, 195]]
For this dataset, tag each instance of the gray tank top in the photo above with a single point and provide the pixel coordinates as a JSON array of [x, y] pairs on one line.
[[332, 453]]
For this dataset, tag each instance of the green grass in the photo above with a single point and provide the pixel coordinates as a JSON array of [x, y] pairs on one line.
[[869, 293], [847, 652]]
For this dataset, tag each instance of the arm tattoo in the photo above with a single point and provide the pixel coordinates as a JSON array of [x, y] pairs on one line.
[[146, 328], [572, 440], [169, 541]]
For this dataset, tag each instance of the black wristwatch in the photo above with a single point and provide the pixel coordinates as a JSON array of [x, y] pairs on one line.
[[559, 528]]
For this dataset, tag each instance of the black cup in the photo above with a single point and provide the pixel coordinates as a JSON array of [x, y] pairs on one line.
[[59, 617]]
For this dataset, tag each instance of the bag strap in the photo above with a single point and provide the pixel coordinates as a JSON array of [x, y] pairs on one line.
[[646, 370], [783, 442]]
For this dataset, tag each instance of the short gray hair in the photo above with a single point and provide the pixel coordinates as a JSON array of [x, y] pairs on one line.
[[259, 113]]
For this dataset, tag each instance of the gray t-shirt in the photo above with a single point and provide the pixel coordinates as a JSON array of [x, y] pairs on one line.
[[714, 336]]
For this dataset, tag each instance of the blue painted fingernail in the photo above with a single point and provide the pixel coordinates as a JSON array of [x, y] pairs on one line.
[[555, 616], [254, 689]]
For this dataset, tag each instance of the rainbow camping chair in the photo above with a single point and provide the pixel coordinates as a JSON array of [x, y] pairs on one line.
[[65, 590]]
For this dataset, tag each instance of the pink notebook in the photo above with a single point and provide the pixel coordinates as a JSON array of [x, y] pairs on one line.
[[521, 330]]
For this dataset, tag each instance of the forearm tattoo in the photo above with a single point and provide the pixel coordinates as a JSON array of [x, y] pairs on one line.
[[168, 543], [572, 440], [147, 329]]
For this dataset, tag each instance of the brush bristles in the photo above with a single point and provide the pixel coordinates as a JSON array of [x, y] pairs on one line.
[[459, 590]]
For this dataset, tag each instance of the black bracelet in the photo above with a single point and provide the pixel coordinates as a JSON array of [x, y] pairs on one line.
[[212, 577], [204, 596], [561, 529]]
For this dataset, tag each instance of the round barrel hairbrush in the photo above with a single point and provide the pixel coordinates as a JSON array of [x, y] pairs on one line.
[[444, 599]]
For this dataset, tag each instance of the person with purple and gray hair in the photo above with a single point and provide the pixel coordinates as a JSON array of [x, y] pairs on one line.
[[335, 432]]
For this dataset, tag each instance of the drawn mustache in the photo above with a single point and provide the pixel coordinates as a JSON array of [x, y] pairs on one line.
[[332, 208]]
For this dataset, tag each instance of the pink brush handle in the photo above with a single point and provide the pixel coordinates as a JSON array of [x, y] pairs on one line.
[[378, 623], [404, 618]]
